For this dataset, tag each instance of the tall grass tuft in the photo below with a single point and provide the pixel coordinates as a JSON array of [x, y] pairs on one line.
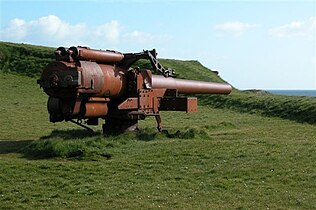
[[81, 144]]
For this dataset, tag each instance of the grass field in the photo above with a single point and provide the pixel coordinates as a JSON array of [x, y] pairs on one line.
[[221, 159]]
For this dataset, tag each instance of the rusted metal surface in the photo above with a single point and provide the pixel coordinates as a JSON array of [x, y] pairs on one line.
[[114, 81], [95, 109], [87, 84], [91, 77], [129, 104], [99, 56], [190, 86], [86, 54], [187, 104]]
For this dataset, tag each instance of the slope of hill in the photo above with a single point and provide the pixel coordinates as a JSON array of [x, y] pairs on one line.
[[24, 59], [298, 108]]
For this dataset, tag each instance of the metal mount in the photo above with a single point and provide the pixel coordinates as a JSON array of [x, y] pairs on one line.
[[131, 58], [159, 68]]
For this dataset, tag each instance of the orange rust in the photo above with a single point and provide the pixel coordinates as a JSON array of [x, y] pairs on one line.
[[95, 109]]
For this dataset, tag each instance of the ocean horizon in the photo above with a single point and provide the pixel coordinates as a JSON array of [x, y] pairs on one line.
[[311, 93]]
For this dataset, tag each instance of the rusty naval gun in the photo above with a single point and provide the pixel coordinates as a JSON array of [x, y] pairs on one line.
[[85, 85]]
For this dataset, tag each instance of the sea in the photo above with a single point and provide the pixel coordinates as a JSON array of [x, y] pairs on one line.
[[311, 93]]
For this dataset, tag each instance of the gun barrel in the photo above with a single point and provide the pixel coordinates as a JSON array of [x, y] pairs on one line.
[[190, 86]]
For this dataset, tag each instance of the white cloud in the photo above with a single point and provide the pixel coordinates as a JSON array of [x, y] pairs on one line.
[[235, 28], [51, 30], [145, 38], [16, 29], [111, 31], [306, 29]]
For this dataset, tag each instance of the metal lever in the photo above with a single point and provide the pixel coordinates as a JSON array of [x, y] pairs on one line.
[[158, 67], [81, 125]]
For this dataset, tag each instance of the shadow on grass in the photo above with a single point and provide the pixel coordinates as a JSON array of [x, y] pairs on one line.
[[145, 134], [13, 146], [76, 144], [191, 133], [70, 134], [84, 145], [46, 146]]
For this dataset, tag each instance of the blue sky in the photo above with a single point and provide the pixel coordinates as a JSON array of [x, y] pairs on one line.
[[253, 44]]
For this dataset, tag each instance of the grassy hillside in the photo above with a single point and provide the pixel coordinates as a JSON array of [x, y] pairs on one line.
[[24, 59], [220, 158], [301, 109]]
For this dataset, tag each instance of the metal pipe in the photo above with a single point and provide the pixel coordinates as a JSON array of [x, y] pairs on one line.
[[190, 86], [101, 56]]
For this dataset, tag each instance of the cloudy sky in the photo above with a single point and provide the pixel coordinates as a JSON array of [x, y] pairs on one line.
[[253, 44]]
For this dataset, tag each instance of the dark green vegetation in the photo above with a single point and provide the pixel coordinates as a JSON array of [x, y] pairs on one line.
[[24, 59], [219, 159], [301, 109]]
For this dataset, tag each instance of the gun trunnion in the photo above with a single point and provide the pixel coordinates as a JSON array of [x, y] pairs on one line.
[[87, 84]]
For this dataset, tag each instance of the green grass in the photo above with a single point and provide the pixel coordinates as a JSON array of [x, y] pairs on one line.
[[23, 113], [192, 70], [300, 109], [24, 59], [242, 162], [219, 158]]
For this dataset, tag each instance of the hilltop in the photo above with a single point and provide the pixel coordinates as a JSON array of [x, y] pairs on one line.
[[24, 59]]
